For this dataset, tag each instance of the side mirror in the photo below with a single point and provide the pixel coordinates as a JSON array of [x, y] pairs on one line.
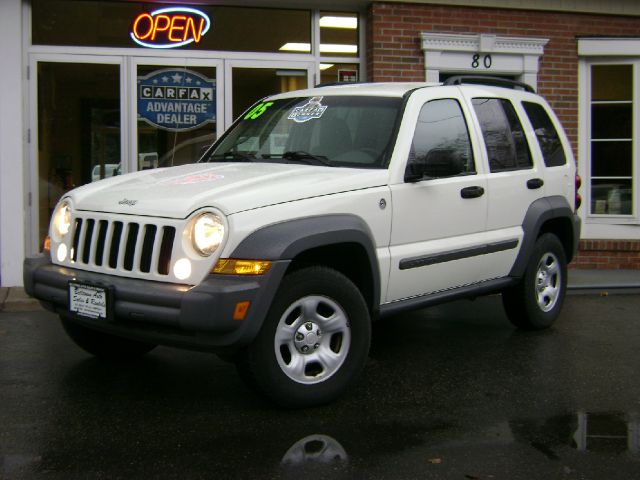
[[415, 172], [203, 150], [437, 163]]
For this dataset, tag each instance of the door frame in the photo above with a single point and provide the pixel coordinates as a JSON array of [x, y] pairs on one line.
[[128, 64], [32, 211]]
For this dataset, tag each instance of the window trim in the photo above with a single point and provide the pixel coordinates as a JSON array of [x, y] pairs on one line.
[[606, 225]]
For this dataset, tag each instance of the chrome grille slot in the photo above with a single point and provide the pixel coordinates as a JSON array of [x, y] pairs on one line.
[[122, 246]]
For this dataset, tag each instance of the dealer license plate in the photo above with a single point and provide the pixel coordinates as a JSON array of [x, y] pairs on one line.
[[88, 300]]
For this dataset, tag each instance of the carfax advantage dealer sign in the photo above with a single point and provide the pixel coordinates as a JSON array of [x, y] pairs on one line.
[[176, 99]]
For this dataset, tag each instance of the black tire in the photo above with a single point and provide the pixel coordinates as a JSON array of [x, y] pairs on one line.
[[535, 303], [104, 345], [309, 356]]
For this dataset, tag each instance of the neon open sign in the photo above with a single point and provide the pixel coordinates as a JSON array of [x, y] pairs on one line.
[[170, 27]]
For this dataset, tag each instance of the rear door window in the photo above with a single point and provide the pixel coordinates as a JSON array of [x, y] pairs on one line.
[[507, 146]]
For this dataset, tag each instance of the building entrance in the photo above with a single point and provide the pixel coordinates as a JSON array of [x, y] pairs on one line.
[[104, 116]]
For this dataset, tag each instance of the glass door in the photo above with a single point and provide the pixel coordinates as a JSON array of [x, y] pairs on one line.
[[176, 107], [76, 134]]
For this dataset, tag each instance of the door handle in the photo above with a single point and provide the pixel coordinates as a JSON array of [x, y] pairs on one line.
[[535, 183], [472, 192]]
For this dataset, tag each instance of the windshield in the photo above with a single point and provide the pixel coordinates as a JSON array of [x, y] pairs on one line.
[[337, 131]]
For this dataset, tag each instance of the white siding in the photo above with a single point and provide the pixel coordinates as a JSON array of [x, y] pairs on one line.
[[12, 192]]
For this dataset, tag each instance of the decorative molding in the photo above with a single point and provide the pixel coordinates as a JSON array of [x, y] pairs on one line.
[[483, 43], [603, 47], [483, 54]]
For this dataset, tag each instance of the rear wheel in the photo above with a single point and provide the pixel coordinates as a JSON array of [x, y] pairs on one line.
[[104, 345], [536, 301], [314, 341]]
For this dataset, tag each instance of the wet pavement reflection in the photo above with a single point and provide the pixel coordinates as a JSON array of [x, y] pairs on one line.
[[449, 392]]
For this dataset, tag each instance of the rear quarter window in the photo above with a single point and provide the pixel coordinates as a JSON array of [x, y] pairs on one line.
[[546, 134]]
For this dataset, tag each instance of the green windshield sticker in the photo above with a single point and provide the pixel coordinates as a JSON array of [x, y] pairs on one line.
[[257, 111]]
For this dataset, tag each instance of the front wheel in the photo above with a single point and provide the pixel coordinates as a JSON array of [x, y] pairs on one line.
[[314, 341], [536, 301]]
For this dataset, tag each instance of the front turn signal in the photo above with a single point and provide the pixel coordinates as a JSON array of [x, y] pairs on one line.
[[232, 266], [46, 245]]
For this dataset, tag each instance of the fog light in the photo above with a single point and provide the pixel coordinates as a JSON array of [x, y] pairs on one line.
[[182, 269], [62, 252]]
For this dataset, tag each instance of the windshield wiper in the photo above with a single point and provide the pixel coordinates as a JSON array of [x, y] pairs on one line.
[[306, 157], [235, 156]]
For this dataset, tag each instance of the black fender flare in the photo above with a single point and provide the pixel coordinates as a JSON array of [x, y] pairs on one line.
[[539, 212], [283, 241]]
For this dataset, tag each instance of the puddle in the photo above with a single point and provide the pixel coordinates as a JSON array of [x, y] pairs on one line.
[[609, 433], [583, 431], [321, 449]]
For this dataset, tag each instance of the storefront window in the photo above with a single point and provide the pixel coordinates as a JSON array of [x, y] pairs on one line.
[[80, 105], [78, 129], [338, 34], [176, 114], [252, 84], [611, 140], [339, 72], [109, 24]]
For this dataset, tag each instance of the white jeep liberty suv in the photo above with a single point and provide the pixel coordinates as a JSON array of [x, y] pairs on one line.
[[317, 212]]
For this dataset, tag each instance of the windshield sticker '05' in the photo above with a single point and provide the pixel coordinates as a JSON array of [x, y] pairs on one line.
[[311, 109], [257, 111]]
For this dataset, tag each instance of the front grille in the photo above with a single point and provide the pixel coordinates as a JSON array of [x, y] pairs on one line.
[[105, 245]]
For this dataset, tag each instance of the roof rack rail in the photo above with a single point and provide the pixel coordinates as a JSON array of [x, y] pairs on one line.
[[486, 80], [336, 84]]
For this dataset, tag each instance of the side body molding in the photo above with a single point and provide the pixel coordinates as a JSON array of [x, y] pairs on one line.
[[288, 239], [540, 212]]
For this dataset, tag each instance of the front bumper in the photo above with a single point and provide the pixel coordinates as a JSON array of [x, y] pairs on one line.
[[198, 317]]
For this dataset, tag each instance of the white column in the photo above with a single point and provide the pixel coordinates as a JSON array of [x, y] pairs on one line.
[[12, 161]]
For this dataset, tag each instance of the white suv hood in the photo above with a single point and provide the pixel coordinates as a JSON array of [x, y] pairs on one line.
[[230, 187]]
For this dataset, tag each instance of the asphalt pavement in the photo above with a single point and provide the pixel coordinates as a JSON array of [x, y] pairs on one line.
[[450, 392]]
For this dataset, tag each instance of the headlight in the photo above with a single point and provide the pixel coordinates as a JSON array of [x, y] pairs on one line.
[[61, 221], [207, 233]]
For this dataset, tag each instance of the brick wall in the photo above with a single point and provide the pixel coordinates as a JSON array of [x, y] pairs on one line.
[[395, 55], [608, 254]]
